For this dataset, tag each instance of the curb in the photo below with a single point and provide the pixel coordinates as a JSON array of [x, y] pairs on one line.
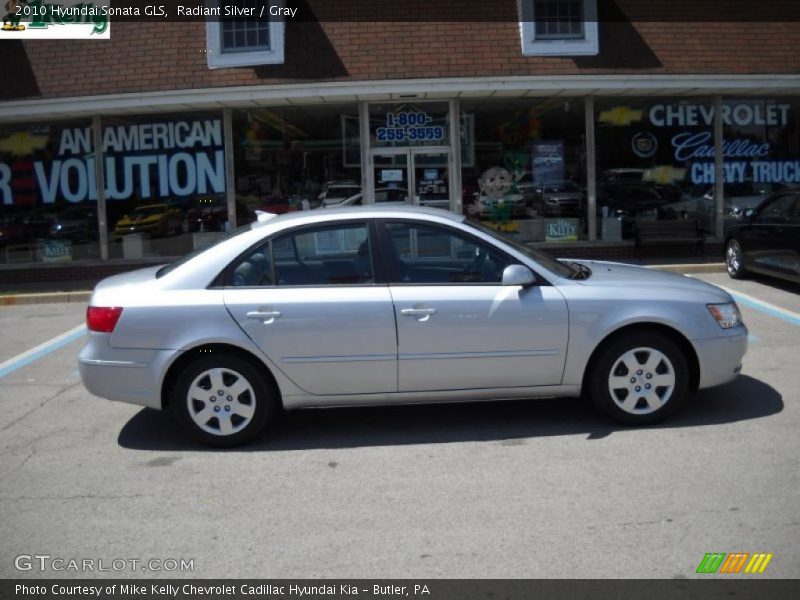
[[44, 298]]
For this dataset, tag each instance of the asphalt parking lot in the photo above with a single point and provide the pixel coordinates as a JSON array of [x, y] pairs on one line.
[[544, 488]]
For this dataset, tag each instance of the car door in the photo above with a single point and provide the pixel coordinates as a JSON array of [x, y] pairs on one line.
[[309, 300], [765, 241], [458, 327]]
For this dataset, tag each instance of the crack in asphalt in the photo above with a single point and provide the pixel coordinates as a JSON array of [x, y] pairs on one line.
[[40, 405], [32, 443], [80, 497]]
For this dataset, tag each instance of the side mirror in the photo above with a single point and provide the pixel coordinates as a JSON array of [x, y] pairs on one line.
[[518, 275], [750, 213]]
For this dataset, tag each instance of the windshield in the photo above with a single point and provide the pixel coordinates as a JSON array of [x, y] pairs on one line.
[[548, 262], [184, 259]]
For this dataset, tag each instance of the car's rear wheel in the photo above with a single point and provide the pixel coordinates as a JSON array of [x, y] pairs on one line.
[[222, 400], [639, 378], [734, 259]]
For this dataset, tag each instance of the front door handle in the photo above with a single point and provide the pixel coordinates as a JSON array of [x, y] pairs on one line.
[[423, 313], [265, 316]]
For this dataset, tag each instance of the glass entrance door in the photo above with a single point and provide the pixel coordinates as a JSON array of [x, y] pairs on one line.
[[418, 176], [390, 177], [431, 178]]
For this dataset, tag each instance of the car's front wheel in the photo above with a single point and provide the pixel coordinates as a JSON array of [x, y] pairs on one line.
[[222, 400], [639, 378], [734, 259]]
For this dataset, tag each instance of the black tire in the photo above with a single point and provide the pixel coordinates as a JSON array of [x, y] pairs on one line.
[[734, 259], [263, 401], [643, 411]]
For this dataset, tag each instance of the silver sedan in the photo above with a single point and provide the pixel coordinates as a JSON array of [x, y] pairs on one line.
[[397, 305]]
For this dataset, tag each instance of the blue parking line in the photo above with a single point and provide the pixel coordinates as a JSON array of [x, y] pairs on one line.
[[765, 309], [48, 348]]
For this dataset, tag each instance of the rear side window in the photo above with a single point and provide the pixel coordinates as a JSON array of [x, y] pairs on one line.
[[332, 255]]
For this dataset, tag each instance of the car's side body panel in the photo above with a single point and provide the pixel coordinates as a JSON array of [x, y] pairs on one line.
[[479, 336], [333, 340]]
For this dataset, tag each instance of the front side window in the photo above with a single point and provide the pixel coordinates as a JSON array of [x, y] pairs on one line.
[[331, 255], [558, 27], [255, 40], [424, 254]]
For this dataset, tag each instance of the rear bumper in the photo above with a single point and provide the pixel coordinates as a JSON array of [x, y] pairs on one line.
[[124, 375], [721, 357]]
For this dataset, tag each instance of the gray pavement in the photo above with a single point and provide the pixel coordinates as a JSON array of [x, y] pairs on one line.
[[516, 489]]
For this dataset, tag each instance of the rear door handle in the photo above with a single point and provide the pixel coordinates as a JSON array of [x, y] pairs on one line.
[[265, 316], [423, 313]]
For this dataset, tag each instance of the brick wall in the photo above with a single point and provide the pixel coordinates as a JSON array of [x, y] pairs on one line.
[[165, 55]]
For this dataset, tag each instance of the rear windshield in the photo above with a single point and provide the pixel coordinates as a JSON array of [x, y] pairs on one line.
[[184, 259]]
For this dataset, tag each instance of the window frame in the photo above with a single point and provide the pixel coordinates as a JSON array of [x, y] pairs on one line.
[[378, 266], [216, 58], [588, 45], [393, 276]]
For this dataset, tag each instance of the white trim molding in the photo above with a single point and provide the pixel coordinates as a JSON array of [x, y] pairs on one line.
[[398, 89], [585, 45]]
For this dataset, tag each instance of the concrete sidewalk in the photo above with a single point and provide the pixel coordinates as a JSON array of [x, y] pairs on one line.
[[14, 299]]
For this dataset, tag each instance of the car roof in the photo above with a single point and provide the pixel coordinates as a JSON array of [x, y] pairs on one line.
[[366, 212]]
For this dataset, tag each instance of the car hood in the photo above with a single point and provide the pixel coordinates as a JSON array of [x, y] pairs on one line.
[[563, 195], [612, 274]]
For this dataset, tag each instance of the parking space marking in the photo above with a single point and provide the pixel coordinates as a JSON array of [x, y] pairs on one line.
[[763, 306], [42, 350]]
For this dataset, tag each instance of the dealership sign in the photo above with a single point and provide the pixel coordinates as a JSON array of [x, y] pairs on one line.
[[746, 158], [143, 160], [76, 19]]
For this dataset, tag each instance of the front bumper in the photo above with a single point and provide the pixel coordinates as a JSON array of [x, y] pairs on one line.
[[720, 358], [123, 374]]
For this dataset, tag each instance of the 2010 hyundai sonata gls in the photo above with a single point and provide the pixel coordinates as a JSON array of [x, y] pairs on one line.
[[393, 305]]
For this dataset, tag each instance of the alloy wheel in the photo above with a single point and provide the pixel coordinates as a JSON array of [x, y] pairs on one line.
[[733, 258], [221, 401], [641, 381]]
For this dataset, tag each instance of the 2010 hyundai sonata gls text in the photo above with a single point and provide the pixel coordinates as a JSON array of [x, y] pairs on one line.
[[392, 305]]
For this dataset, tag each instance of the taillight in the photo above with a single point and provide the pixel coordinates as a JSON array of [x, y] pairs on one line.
[[102, 319]]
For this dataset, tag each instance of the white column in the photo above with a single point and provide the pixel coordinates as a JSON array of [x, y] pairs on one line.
[[230, 175], [719, 171], [100, 181], [591, 179]]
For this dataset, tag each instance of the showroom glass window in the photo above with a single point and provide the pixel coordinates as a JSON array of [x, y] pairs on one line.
[[655, 161], [761, 150], [48, 197], [524, 166], [165, 183], [296, 158]]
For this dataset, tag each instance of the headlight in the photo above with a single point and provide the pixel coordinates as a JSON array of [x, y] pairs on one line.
[[727, 315]]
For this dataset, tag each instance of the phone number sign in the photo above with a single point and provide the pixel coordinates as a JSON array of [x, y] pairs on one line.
[[410, 126]]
